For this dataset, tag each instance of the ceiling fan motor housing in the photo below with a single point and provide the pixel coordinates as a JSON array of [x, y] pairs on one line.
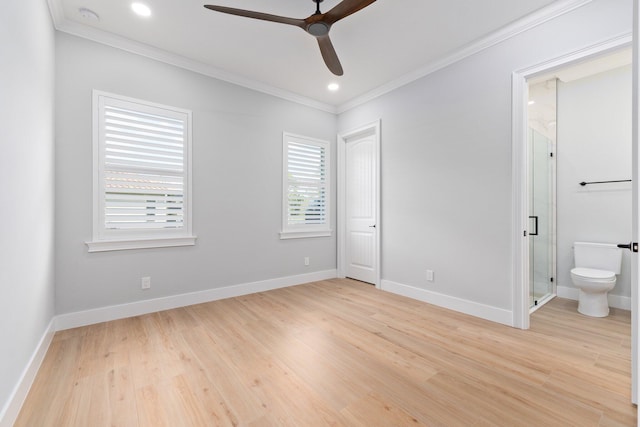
[[318, 29]]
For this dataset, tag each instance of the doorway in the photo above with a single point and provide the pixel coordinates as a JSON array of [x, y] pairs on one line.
[[579, 118], [523, 225], [359, 204], [521, 220]]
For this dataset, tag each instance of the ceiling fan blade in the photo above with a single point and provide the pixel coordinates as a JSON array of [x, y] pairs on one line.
[[329, 55], [344, 9], [258, 15]]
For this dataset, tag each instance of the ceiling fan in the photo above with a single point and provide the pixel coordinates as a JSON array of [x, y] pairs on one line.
[[318, 25]]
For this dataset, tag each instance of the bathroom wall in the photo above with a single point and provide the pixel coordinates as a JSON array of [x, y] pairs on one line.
[[594, 144]]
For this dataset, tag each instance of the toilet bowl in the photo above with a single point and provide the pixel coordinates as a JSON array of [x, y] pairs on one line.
[[593, 285], [597, 265]]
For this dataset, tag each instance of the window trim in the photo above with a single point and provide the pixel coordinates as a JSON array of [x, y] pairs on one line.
[[305, 230], [102, 240]]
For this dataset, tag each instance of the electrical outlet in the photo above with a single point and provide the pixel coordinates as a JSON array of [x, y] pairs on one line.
[[145, 282], [430, 275], [306, 260]]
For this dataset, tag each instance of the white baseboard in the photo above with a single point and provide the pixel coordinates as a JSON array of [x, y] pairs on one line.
[[483, 311], [615, 301], [114, 312], [12, 408]]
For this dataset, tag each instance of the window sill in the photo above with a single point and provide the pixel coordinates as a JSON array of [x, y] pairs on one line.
[[122, 245], [284, 235]]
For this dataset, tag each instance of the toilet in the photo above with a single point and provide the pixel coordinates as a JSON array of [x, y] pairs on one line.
[[596, 267]]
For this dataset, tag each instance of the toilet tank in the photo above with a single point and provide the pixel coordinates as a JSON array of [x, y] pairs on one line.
[[601, 256]]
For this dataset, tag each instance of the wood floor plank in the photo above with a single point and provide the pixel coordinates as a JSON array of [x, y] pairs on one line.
[[224, 376], [336, 352], [329, 377], [374, 410], [53, 385]]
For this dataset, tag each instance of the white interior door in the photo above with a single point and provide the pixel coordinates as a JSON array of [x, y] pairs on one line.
[[361, 225]]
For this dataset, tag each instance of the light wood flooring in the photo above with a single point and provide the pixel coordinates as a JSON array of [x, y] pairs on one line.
[[336, 352]]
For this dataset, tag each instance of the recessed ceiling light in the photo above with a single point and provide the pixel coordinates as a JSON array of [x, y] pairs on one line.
[[141, 9], [88, 14], [333, 87], [532, 102]]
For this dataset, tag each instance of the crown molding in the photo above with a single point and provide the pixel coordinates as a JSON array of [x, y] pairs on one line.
[[532, 20], [64, 25]]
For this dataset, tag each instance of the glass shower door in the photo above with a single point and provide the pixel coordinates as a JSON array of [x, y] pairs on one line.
[[541, 219]]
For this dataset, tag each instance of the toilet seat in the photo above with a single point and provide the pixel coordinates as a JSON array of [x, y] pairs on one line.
[[593, 274]]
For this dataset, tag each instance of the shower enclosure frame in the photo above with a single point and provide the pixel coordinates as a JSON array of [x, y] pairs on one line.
[[542, 273]]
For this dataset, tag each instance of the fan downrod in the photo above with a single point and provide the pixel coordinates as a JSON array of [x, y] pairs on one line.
[[317, 2]]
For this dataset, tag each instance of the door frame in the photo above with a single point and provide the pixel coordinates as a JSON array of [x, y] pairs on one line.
[[635, 190], [520, 162], [342, 141]]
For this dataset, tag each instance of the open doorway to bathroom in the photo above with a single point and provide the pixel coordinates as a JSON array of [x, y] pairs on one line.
[[592, 146], [579, 170]]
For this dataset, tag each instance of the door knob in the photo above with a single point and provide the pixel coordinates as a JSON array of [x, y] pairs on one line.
[[372, 226], [633, 246]]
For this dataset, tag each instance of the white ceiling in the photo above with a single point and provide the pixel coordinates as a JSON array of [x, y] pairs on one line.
[[385, 42]]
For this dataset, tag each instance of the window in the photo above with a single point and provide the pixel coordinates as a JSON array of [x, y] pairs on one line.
[[305, 187], [142, 176]]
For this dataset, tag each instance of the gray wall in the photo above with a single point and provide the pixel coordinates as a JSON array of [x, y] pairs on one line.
[[237, 176], [594, 144], [446, 159], [26, 173]]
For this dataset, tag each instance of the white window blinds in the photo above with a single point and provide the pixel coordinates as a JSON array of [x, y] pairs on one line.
[[143, 170], [142, 182], [306, 184]]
